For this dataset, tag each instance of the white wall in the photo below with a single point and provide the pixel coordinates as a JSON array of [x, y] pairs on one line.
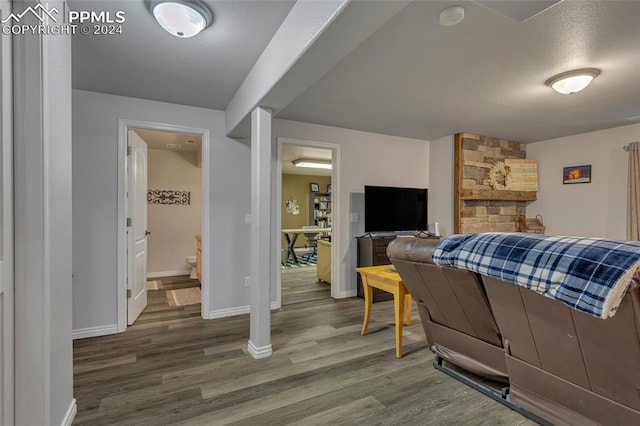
[[366, 159], [95, 143], [441, 183], [593, 209], [173, 227]]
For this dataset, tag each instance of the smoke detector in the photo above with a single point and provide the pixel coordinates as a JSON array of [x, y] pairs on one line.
[[451, 16]]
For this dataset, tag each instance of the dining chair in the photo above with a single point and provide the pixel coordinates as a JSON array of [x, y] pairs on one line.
[[312, 239]]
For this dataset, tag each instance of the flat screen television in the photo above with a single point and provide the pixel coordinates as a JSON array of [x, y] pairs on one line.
[[393, 209]]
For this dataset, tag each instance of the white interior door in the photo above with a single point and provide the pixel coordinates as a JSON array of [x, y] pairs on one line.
[[137, 232]]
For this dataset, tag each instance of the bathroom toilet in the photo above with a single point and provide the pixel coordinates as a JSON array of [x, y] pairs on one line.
[[193, 262]]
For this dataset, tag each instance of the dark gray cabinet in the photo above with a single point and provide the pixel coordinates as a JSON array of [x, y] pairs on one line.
[[372, 251]]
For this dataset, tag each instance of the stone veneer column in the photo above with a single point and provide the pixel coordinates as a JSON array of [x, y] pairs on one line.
[[479, 154]]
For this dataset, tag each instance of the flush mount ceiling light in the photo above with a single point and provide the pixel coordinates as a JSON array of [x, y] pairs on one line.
[[572, 81], [451, 16], [312, 163], [181, 18]]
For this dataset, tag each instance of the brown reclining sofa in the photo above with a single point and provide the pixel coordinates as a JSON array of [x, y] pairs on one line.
[[562, 366]]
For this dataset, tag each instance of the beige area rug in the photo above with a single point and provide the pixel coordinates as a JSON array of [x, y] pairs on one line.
[[155, 285], [184, 296]]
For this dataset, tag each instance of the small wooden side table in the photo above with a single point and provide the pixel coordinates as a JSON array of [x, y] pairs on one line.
[[385, 279]]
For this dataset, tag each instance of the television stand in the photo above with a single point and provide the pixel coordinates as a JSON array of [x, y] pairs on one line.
[[394, 234], [372, 251], [378, 235]]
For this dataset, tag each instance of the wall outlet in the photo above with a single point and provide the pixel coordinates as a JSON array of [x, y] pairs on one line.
[[354, 218], [247, 281], [247, 218]]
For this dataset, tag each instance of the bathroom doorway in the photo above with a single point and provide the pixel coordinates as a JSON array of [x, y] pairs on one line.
[[174, 223], [165, 262]]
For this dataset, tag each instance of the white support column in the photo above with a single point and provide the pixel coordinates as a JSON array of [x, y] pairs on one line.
[[260, 334]]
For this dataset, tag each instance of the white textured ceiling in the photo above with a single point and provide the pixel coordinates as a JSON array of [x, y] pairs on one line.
[[157, 139], [411, 78], [147, 62], [518, 10], [485, 75]]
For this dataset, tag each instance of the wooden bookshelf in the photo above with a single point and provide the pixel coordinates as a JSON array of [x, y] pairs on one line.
[[320, 209]]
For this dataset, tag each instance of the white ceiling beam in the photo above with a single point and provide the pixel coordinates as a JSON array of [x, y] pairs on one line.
[[313, 38]]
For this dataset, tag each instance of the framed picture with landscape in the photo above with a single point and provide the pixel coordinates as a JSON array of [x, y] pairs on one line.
[[576, 174]]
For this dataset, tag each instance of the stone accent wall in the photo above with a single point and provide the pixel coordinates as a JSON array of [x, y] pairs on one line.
[[478, 154], [491, 216]]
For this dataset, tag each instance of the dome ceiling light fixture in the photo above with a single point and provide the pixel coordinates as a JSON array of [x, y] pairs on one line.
[[451, 16], [572, 81], [181, 18]]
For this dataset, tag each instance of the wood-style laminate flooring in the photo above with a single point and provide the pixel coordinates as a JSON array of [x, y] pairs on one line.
[[172, 367]]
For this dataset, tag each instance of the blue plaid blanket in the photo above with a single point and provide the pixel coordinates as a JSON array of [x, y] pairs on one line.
[[591, 275]]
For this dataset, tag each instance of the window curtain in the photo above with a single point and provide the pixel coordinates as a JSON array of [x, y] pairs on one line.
[[633, 193]]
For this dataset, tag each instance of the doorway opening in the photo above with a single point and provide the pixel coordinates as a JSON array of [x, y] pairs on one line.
[[163, 201], [307, 204], [173, 236]]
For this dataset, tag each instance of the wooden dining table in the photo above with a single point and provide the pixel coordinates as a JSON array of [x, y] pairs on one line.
[[291, 236]]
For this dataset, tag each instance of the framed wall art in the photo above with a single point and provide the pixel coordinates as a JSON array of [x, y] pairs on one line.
[[176, 198], [576, 174]]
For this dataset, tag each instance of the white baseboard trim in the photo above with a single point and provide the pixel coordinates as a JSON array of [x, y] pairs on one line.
[[240, 310], [229, 312], [71, 414], [172, 273], [259, 352], [103, 330], [346, 294]]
